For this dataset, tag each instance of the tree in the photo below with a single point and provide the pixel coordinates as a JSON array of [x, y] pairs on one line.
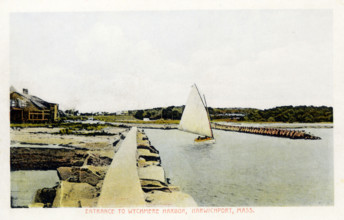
[[308, 118], [176, 115], [146, 115], [139, 114], [271, 119]]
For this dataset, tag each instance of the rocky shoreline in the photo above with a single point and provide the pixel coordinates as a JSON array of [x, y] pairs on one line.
[[274, 132], [82, 163], [158, 191]]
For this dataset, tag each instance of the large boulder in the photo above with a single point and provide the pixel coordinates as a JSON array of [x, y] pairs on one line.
[[44, 196], [143, 142], [152, 173], [145, 162], [80, 175], [98, 160], [147, 153], [150, 185], [70, 174], [76, 195], [152, 149]]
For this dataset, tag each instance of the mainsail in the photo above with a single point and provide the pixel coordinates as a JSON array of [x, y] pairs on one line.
[[195, 116]]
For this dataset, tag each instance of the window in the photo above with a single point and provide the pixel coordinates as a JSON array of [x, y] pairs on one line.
[[13, 103], [22, 103]]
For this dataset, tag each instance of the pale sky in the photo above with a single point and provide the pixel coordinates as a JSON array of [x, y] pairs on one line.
[[132, 60]]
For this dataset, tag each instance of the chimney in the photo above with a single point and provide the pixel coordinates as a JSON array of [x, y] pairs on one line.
[[25, 91]]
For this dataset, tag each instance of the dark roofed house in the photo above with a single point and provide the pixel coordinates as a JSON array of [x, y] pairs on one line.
[[28, 108]]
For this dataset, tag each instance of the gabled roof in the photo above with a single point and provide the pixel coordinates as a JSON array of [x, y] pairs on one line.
[[33, 100], [37, 101]]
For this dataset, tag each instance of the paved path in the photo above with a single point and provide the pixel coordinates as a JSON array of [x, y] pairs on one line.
[[121, 187]]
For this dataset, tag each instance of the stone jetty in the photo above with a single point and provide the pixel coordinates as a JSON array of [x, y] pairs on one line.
[[136, 178], [276, 132], [133, 177], [157, 190], [121, 186]]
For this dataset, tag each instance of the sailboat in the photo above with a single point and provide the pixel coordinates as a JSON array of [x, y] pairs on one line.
[[195, 118]]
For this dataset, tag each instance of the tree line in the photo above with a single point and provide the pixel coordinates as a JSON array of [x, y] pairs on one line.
[[171, 112], [290, 114]]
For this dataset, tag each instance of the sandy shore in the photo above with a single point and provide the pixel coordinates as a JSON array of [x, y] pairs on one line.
[[42, 136]]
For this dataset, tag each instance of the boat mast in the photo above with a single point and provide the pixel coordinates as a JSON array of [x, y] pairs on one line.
[[199, 94], [206, 108]]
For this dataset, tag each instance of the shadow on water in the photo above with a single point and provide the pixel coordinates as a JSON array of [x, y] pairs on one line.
[[202, 148]]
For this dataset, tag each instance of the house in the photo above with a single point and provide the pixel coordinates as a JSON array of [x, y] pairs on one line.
[[29, 108], [122, 112]]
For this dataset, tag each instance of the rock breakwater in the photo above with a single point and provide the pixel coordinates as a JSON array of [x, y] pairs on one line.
[[82, 174], [276, 132], [156, 186]]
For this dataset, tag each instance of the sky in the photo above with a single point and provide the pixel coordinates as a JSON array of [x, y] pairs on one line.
[[112, 61]]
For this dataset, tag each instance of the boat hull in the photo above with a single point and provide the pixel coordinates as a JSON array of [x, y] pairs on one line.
[[206, 140]]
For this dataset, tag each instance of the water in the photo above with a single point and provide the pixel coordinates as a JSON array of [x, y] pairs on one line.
[[249, 170], [24, 185], [30, 145]]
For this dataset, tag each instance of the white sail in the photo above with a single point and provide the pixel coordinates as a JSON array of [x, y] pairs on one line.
[[195, 116]]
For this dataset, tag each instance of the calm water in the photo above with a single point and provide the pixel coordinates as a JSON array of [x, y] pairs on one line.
[[24, 185], [249, 170]]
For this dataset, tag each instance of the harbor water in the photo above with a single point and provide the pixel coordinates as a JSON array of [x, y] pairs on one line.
[[25, 183], [249, 170]]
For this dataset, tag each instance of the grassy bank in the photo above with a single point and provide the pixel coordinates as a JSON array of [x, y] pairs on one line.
[[132, 120], [114, 118], [66, 127]]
